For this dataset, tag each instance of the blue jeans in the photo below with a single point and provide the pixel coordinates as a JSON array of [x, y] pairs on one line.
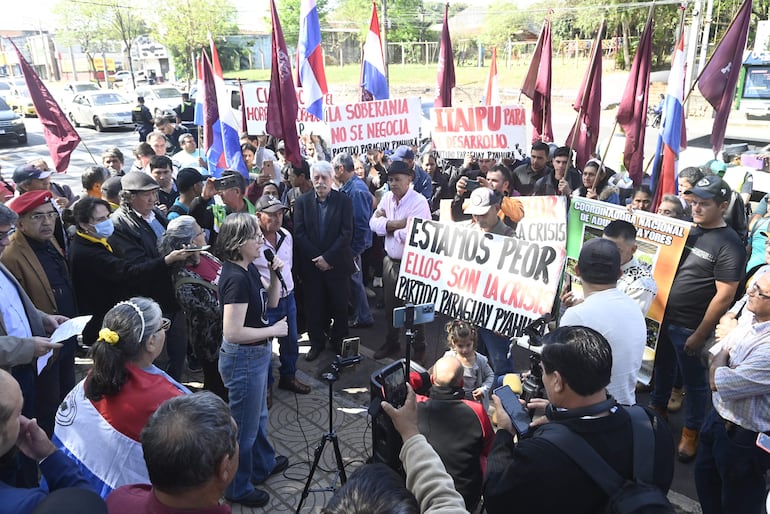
[[288, 345], [670, 351], [358, 297], [244, 372], [729, 469], [495, 347]]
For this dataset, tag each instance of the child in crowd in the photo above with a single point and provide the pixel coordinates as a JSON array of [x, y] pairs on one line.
[[478, 376]]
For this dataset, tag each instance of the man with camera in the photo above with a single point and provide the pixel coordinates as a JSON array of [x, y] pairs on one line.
[[535, 474], [231, 188]]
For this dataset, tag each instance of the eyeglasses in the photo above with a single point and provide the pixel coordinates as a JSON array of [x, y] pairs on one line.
[[40, 216], [755, 289], [165, 324], [3, 235]]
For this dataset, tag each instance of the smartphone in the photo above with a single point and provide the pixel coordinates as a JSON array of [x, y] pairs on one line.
[[393, 382], [423, 313], [350, 347], [223, 183], [515, 410], [470, 185], [763, 441], [197, 248]]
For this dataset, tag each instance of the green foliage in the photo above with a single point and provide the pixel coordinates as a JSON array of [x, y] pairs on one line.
[[183, 27], [504, 21], [83, 24], [288, 13]]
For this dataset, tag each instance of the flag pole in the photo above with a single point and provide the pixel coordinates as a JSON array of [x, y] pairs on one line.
[[603, 156], [539, 39], [582, 98], [705, 67]]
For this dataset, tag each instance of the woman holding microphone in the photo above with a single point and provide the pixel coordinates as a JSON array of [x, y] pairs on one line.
[[244, 358]]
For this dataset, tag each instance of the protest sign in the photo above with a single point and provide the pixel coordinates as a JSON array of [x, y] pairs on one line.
[[484, 130], [496, 282], [255, 95], [660, 241], [357, 127]]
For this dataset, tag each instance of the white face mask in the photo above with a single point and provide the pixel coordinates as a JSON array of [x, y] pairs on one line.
[[104, 228]]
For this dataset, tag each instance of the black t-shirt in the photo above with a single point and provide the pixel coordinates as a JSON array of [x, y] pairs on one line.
[[710, 255], [238, 285]]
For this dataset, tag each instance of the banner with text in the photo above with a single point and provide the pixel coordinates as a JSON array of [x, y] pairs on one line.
[[660, 242], [357, 127], [255, 95], [496, 282], [484, 130]]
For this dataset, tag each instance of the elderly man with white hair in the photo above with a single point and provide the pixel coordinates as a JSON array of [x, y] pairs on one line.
[[323, 230]]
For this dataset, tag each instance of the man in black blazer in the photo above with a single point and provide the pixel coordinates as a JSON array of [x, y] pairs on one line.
[[323, 229]]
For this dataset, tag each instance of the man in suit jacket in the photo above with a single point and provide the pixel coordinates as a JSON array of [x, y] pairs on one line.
[[323, 229], [36, 260]]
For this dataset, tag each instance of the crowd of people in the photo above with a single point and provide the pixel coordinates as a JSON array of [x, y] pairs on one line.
[[183, 270]]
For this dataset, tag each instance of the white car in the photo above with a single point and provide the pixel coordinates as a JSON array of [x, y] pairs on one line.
[[71, 89], [160, 99], [101, 109]]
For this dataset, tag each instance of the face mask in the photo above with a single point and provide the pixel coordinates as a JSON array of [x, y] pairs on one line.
[[104, 228]]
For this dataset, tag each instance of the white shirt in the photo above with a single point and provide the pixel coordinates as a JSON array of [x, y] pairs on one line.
[[284, 253], [411, 205], [12, 309], [618, 318], [637, 282]]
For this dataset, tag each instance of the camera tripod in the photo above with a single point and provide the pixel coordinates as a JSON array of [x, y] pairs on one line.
[[331, 435]]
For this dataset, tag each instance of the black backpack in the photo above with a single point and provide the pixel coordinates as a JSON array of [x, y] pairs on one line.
[[637, 495]]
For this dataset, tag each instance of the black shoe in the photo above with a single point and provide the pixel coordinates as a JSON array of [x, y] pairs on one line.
[[256, 498], [281, 463], [313, 353], [387, 350]]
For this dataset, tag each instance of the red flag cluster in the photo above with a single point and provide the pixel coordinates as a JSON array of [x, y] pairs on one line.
[[537, 86], [446, 66]]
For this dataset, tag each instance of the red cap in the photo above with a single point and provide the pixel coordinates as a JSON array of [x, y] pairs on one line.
[[24, 203]]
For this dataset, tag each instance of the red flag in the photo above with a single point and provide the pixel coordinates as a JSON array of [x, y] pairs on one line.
[[210, 105], [537, 86], [446, 66], [282, 102], [717, 80], [60, 136], [632, 111], [492, 89], [585, 133]]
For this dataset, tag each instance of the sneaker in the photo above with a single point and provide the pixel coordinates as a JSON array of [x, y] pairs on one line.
[[377, 282], [370, 293], [281, 464], [256, 498]]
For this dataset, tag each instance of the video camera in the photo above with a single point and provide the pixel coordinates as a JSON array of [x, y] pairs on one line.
[[532, 340]]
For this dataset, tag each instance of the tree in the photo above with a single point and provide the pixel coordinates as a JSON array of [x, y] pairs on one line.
[[83, 24], [183, 27], [126, 26]]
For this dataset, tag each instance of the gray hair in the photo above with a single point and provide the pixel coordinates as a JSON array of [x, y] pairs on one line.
[[237, 228], [180, 231], [323, 168], [345, 160], [133, 321], [184, 136], [7, 216], [171, 441]]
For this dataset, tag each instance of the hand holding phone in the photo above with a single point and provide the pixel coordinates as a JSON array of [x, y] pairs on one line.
[[470, 185], [515, 410], [394, 385]]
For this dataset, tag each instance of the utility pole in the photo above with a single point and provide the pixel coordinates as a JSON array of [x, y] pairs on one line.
[[384, 30], [704, 44], [692, 45]]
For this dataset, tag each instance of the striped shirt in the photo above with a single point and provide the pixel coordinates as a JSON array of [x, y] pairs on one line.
[[743, 386]]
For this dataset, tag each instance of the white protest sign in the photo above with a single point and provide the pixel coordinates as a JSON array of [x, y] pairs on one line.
[[485, 130], [359, 126], [255, 95]]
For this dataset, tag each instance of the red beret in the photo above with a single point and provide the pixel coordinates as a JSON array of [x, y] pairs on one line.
[[24, 203]]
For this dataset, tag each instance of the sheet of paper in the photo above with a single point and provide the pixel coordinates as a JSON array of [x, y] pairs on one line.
[[71, 327]]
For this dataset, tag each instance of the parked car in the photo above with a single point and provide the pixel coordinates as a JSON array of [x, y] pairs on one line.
[[100, 109], [20, 101], [11, 124], [160, 99], [73, 88]]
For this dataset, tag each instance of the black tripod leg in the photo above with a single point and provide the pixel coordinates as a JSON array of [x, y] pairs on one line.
[[318, 452], [338, 456]]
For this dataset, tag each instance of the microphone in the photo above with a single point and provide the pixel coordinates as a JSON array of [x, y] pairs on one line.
[[269, 255]]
